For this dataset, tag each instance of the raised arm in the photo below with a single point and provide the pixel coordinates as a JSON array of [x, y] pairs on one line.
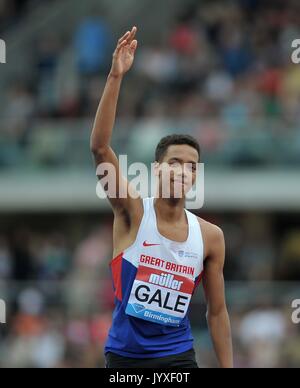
[[100, 143], [217, 314]]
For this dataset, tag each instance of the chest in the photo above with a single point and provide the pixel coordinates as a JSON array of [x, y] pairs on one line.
[[176, 232]]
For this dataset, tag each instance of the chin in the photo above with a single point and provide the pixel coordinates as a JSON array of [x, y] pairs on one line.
[[176, 193]]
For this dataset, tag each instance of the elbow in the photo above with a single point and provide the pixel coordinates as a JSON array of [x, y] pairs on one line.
[[98, 152], [94, 150], [218, 313]]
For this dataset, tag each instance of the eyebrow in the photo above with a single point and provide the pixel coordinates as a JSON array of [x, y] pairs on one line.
[[180, 160]]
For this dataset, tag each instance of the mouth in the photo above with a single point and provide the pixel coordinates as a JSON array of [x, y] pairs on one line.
[[178, 182]]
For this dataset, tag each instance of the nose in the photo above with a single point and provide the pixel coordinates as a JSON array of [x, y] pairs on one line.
[[186, 172], [182, 176]]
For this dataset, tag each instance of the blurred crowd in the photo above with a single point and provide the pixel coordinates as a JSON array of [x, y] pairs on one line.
[[229, 68], [59, 297], [11, 11], [57, 284], [221, 73]]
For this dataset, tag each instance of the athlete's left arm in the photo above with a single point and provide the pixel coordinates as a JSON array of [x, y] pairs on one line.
[[214, 287]]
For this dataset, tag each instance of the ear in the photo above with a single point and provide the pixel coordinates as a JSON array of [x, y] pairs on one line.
[[156, 168]]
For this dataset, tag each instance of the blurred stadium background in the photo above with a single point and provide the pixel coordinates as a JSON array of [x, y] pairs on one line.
[[219, 70]]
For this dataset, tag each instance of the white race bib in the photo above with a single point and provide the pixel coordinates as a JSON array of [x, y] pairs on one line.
[[160, 296]]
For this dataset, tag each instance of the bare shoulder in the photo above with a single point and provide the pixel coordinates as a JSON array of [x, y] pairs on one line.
[[213, 236], [210, 230]]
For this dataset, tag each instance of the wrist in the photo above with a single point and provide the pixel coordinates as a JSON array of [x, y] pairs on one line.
[[114, 76]]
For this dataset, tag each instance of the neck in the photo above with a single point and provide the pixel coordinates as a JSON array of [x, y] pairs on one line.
[[171, 209]]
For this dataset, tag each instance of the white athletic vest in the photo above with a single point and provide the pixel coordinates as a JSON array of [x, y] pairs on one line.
[[167, 272]]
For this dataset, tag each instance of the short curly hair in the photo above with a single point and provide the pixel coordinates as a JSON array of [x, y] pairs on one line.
[[168, 141]]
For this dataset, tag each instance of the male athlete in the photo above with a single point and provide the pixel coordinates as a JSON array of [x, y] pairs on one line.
[[161, 250]]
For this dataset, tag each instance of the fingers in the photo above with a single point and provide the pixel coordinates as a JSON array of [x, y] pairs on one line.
[[127, 39], [120, 46], [133, 45], [132, 35], [125, 36], [129, 36]]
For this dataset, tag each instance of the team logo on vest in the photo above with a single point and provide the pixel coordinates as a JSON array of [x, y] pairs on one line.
[[188, 255]]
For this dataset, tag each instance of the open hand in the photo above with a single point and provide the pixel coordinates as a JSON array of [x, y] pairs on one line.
[[123, 56]]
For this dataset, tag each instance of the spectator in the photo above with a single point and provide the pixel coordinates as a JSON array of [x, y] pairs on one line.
[[20, 112], [93, 45]]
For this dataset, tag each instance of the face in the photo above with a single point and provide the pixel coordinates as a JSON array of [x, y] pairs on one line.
[[177, 171]]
